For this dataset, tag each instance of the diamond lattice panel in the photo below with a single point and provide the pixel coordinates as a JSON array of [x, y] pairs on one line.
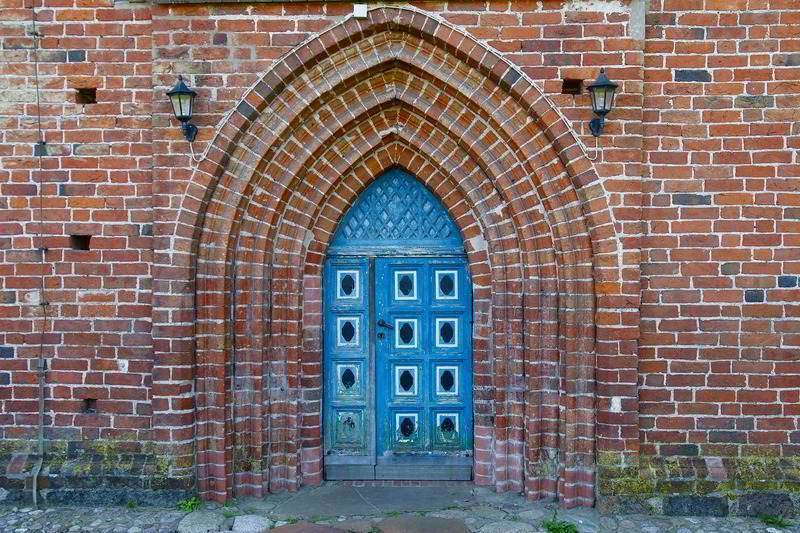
[[397, 207]]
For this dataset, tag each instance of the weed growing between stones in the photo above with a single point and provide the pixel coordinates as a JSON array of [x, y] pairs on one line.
[[554, 525], [775, 521], [190, 505]]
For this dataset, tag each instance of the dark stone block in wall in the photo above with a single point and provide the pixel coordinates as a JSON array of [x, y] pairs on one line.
[[617, 505], [787, 60], [7, 297], [5, 378], [6, 352], [727, 437], [105, 496], [691, 199], [729, 269], [53, 56], [76, 56], [753, 296], [247, 111], [766, 503], [787, 281], [695, 506], [758, 101], [692, 75], [686, 450]]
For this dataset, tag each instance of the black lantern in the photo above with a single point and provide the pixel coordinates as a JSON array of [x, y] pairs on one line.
[[602, 92], [182, 98]]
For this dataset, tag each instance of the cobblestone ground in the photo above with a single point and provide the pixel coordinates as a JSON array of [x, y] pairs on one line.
[[487, 513]]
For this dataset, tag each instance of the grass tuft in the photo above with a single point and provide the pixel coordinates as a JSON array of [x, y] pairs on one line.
[[554, 525]]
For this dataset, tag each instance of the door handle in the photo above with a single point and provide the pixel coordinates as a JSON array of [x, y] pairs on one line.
[[382, 323]]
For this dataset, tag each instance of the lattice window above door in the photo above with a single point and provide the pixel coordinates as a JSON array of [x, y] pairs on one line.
[[397, 211]]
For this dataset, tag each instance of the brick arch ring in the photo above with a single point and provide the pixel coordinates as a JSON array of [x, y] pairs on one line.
[[399, 88]]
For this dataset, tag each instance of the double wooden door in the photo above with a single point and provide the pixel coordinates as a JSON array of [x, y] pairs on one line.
[[397, 368]]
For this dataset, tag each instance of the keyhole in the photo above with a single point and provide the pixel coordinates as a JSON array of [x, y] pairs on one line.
[[380, 336]]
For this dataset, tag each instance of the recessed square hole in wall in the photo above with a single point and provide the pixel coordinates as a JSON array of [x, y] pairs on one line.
[[86, 96], [571, 86], [90, 405], [80, 242]]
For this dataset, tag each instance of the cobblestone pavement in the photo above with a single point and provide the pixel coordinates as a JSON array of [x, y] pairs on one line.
[[310, 510]]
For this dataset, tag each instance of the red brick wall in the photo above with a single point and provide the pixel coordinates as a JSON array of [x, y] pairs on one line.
[[706, 170], [720, 352], [96, 180]]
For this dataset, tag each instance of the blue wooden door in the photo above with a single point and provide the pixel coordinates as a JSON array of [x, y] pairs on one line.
[[397, 374], [348, 369], [423, 346]]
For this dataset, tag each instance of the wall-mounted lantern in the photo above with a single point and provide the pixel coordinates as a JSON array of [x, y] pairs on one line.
[[182, 98], [602, 92]]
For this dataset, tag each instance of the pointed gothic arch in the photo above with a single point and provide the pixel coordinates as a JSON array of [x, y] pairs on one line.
[[403, 89]]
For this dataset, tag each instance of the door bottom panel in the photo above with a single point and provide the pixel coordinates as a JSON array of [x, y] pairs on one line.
[[434, 468], [405, 469], [349, 472]]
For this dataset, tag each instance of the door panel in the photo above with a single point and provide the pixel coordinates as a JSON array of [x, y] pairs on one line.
[[348, 387], [423, 357]]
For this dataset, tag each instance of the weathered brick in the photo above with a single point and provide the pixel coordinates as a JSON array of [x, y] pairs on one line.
[[691, 199], [692, 75]]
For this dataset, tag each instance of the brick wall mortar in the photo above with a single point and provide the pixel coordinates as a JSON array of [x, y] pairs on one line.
[[713, 154]]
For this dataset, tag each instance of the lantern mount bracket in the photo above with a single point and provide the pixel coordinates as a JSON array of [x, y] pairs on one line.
[[596, 125], [189, 131]]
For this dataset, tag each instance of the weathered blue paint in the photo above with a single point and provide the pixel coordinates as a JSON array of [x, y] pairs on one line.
[[423, 356], [347, 388], [404, 390]]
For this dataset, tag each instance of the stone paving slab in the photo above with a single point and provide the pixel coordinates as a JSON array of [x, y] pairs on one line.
[[422, 524], [337, 508]]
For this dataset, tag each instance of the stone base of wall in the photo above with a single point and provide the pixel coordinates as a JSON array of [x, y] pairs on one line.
[[91, 473], [782, 504], [699, 486]]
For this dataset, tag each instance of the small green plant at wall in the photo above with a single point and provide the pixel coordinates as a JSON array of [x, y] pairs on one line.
[[190, 505], [554, 525], [775, 521], [131, 505]]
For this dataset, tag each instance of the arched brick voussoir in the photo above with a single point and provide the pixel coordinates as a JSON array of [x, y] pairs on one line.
[[417, 24], [367, 173], [386, 58], [522, 171], [319, 134], [337, 172], [480, 192], [227, 194], [273, 83]]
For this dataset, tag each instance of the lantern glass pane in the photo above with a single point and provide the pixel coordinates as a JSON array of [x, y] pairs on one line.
[[600, 99], [176, 104], [185, 106], [612, 93]]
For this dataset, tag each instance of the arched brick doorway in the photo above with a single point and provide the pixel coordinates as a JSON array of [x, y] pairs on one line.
[[398, 89]]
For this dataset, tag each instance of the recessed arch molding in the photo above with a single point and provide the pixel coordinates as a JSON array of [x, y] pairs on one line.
[[396, 89]]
